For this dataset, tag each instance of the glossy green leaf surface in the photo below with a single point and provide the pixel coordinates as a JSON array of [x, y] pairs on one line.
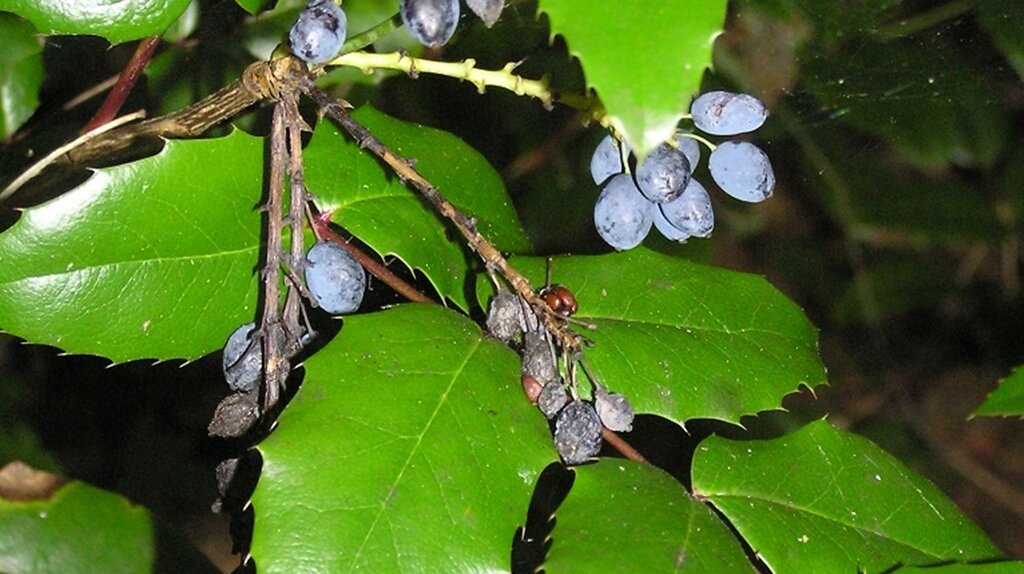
[[21, 73], [153, 259], [989, 568], [80, 529], [685, 340], [622, 516], [1007, 399], [370, 202], [116, 20], [409, 448], [821, 500], [644, 59]]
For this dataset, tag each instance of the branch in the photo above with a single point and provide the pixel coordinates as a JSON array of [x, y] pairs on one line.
[[260, 81], [621, 445], [405, 171], [482, 79]]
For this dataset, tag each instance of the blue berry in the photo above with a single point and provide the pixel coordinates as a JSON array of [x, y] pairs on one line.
[[431, 22], [691, 212], [334, 278], [691, 149], [743, 171], [243, 359], [663, 174], [607, 160], [622, 215], [665, 227], [727, 114], [319, 32], [488, 10]]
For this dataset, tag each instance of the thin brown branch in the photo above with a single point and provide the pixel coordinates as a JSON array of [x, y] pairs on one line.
[[260, 81], [125, 82], [296, 217], [275, 364], [620, 444], [404, 169]]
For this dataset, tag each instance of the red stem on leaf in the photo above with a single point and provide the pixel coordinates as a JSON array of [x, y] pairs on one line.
[[125, 82]]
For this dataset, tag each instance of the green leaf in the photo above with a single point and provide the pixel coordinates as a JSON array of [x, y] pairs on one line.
[[821, 500], [118, 21], [370, 202], [21, 73], [78, 529], [987, 568], [685, 340], [622, 516], [1007, 399], [1002, 18], [920, 102], [877, 197], [152, 259], [408, 448], [644, 59], [252, 6]]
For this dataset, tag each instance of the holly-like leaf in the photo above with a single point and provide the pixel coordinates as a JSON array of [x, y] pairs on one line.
[[821, 500], [987, 568], [118, 21], [644, 59], [409, 448], [21, 73], [372, 204], [77, 529], [899, 102], [1008, 399], [152, 259], [685, 340], [626, 517]]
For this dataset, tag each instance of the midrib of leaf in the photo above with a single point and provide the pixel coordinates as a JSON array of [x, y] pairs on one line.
[[129, 262], [724, 330], [818, 514], [413, 451]]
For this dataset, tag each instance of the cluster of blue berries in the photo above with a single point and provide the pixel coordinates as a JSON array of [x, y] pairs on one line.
[[662, 193], [319, 31]]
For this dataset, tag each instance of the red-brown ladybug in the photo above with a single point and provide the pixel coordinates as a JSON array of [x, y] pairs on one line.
[[560, 299]]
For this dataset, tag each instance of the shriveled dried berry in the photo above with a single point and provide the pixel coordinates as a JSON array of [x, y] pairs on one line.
[[538, 358], [577, 433], [505, 317], [614, 410], [235, 415], [552, 398]]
